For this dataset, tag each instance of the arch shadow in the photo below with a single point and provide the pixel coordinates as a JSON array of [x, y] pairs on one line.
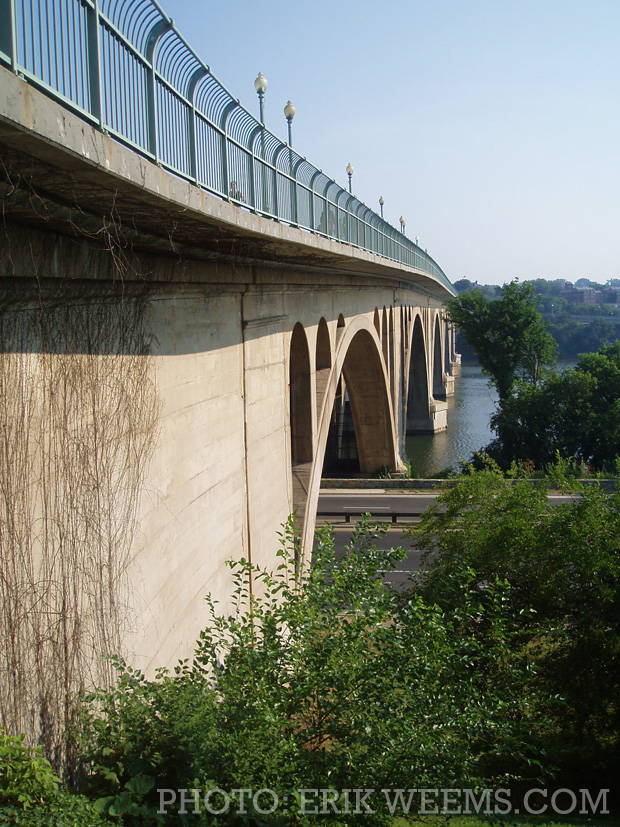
[[417, 413], [439, 388]]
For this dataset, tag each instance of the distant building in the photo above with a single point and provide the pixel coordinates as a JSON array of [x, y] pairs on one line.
[[611, 295], [581, 295]]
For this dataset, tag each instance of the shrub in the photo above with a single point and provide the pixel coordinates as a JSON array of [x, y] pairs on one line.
[[563, 561], [29, 790], [327, 680]]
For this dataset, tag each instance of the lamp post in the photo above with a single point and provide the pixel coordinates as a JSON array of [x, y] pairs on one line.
[[350, 174], [381, 203], [289, 114], [402, 224], [260, 84]]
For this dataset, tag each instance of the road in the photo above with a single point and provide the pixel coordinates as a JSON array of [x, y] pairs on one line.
[[378, 503], [381, 505], [335, 505]]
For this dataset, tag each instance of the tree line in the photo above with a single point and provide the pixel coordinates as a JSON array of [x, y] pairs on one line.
[[541, 413], [576, 328]]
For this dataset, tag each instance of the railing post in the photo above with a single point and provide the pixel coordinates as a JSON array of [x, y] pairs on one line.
[[95, 103], [224, 127], [151, 98], [253, 167], [312, 215], [296, 189], [292, 184], [8, 35], [276, 206], [191, 122]]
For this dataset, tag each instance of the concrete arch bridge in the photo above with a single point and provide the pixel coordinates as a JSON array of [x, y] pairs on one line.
[[180, 366]]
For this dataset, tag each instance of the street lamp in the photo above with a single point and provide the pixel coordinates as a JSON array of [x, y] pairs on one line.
[[260, 84], [350, 173], [402, 224], [381, 203], [289, 114]]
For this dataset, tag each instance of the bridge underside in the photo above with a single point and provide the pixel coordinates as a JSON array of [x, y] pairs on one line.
[[176, 372]]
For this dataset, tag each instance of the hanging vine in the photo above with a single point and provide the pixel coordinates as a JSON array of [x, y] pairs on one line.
[[78, 422]]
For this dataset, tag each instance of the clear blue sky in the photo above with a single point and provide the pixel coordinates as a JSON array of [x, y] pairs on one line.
[[491, 126]]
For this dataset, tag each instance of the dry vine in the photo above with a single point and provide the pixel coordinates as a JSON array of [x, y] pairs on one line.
[[78, 414]]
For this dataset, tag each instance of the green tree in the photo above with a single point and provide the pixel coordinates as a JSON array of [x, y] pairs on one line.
[[574, 415], [508, 334], [463, 284], [562, 561]]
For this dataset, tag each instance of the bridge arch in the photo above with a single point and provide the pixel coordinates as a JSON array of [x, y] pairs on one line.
[[376, 321], [300, 397], [340, 326], [418, 410], [323, 346], [439, 390], [447, 349], [384, 335], [358, 361], [390, 362], [323, 361]]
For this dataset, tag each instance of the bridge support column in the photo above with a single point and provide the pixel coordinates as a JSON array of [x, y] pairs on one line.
[[437, 419], [448, 380], [455, 358]]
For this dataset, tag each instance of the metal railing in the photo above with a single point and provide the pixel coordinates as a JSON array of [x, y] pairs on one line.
[[122, 65]]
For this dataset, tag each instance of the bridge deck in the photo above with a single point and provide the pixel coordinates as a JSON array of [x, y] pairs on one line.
[[66, 169]]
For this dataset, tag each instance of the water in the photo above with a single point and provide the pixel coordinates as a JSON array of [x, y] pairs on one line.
[[469, 413]]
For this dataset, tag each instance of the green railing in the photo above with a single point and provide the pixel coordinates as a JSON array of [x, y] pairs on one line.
[[122, 65]]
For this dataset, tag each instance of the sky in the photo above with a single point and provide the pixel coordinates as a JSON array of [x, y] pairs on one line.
[[491, 126]]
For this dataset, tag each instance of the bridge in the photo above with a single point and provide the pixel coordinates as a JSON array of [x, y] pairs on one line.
[[196, 324]]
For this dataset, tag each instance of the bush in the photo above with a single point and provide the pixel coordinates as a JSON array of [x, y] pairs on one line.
[[26, 777], [29, 790], [327, 680], [563, 561]]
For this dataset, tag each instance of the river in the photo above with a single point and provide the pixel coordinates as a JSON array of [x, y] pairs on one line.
[[469, 411]]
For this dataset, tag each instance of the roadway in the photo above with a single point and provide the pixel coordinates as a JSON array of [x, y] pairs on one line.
[[335, 506]]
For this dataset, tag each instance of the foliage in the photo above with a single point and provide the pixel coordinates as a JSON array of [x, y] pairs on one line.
[[572, 333], [329, 680], [29, 790], [508, 334], [25, 775], [574, 338], [62, 810], [574, 415], [382, 473], [563, 561]]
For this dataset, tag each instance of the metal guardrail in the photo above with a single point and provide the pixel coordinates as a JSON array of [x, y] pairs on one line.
[[123, 66], [376, 514]]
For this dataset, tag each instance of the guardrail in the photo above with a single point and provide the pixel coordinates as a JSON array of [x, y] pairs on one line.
[[123, 66], [347, 513]]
